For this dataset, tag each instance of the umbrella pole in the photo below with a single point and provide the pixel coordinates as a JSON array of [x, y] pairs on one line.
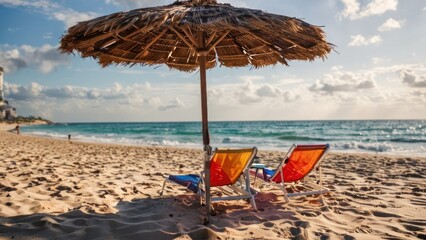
[[205, 127], [206, 138]]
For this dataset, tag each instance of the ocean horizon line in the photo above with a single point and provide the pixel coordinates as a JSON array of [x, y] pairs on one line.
[[221, 121]]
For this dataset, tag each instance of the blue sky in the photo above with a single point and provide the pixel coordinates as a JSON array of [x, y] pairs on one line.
[[378, 70]]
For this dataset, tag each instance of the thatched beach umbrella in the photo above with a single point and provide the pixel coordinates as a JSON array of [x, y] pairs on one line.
[[196, 35]]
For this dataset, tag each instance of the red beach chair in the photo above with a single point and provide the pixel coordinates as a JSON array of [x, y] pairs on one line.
[[294, 169], [228, 169]]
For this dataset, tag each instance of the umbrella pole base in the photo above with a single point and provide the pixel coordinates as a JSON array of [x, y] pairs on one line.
[[207, 155]]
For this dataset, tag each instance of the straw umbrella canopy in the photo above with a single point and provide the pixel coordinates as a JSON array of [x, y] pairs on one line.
[[196, 35]]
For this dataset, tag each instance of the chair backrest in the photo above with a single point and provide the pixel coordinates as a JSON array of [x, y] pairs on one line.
[[299, 162], [227, 165]]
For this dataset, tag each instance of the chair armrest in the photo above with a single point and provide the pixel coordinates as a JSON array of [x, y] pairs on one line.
[[258, 166]]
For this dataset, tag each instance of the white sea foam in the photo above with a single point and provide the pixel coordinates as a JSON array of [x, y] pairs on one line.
[[47, 134], [232, 140], [374, 147]]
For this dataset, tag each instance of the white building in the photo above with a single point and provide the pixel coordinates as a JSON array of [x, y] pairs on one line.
[[6, 112]]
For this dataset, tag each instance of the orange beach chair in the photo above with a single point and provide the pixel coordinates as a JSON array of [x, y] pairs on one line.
[[294, 169], [229, 172]]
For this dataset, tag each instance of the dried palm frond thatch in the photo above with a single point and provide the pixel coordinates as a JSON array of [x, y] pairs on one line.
[[177, 34]]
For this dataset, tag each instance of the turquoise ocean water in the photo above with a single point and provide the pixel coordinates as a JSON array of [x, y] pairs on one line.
[[406, 137]]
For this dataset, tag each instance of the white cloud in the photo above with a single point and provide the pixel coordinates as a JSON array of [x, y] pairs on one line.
[[247, 93], [130, 4], [45, 58], [353, 9], [419, 94], [391, 24], [366, 92], [420, 67], [35, 91], [154, 101], [254, 91], [48, 35], [71, 17], [53, 10], [268, 90], [412, 79], [252, 78], [135, 95], [176, 103], [250, 92], [359, 40], [378, 60], [343, 94], [339, 81], [215, 93], [38, 4], [370, 87], [17, 92], [378, 7], [11, 60], [70, 92]]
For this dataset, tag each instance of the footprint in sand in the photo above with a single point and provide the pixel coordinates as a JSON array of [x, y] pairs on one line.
[[363, 229], [311, 213], [415, 225], [385, 214], [412, 228]]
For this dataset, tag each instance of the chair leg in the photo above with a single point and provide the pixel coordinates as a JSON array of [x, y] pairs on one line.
[[248, 188], [253, 203], [286, 198], [320, 185], [200, 196], [162, 189], [321, 200], [282, 186]]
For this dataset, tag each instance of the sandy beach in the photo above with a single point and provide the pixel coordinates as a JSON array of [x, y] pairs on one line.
[[54, 189]]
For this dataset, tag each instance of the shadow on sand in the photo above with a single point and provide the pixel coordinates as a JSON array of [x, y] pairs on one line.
[[148, 218]]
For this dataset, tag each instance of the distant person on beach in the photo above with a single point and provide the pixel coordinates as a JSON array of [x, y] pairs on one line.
[[69, 137], [17, 129]]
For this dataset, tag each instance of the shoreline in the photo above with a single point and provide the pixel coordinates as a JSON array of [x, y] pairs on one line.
[[5, 126], [194, 147], [199, 149]]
